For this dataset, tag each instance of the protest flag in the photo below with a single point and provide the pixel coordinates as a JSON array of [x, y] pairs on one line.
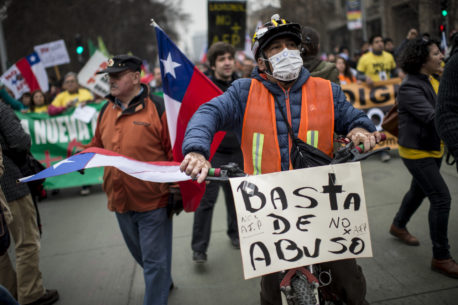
[[247, 50], [185, 89], [203, 54], [26, 75], [159, 172], [443, 42], [102, 48], [91, 46], [145, 75]]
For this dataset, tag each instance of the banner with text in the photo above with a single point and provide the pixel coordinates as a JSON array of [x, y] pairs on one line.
[[53, 53], [227, 22], [87, 77], [55, 138], [301, 217], [354, 15], [376, 101]]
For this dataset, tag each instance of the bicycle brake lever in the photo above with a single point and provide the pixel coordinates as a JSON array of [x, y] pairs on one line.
[[232, 170], [344, 154]]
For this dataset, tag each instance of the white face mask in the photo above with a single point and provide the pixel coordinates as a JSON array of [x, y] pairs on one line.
[[286, 65]]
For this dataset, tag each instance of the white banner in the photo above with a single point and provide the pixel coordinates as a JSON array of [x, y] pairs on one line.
[[88, 78], [53, 53], [301, 217]]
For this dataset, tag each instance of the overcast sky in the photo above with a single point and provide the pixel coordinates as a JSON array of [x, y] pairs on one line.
[[198, 23], [198, 11]]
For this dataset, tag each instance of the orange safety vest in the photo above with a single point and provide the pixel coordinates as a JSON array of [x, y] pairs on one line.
[[261, 152]]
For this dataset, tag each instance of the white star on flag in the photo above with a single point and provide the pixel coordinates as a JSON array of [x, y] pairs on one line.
[[170, 65], [62, 162]]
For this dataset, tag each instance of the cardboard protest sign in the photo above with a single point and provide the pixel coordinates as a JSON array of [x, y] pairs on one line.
[[53, 53], [84, 113], [87, 77], [376, 101], [301, 217]]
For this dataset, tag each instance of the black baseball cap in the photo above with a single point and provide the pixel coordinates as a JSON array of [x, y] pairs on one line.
[[121, 63]]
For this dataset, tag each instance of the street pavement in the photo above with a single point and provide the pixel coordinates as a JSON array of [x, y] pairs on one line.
[[84, 256]]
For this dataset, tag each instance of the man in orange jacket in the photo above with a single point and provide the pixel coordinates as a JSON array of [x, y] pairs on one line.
[[133, 125]]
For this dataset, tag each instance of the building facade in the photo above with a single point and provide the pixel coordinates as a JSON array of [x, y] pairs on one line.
[[390, 18]]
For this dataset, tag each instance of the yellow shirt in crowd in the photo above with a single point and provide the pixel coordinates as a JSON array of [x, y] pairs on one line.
[[413, 154], [410, 153], [434, 82], [63, 98], [376, 67], [41, 109]]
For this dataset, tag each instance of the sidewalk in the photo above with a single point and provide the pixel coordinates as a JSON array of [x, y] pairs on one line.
[[84, 257]]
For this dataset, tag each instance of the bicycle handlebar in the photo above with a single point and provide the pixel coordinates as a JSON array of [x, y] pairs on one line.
[[347, 153], [225, 172], [360, 147]]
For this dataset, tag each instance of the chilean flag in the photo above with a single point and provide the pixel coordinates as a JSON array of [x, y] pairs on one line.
[[26, 75], [160, 172], [185, 89]]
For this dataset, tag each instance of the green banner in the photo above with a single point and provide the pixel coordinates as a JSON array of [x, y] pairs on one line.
[[55, 138]]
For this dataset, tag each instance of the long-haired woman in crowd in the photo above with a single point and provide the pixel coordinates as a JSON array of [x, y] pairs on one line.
[[38, 104], [345, 75], [421, 151]]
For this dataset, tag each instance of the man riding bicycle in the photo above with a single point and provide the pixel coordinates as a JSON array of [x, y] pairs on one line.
[[315, 108]]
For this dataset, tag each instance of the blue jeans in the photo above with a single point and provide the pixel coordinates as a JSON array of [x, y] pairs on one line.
[[428, 182], [5, 297], [148, 236]]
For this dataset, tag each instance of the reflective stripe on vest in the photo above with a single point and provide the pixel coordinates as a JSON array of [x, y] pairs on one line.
[[312, 138], [258, 144], [261, 151]]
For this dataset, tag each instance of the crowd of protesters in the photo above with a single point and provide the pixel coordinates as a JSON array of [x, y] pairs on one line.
[[418, 60]]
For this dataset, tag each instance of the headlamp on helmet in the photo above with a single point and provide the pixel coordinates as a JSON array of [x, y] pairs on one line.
[[275, 28]]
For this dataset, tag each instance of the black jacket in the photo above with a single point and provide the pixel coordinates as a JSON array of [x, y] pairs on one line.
[[447, 106], [223, 85], [15, 142], [417, 100]]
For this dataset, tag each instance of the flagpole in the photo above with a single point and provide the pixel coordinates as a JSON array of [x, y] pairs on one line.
[[56, 70], [153, 23]]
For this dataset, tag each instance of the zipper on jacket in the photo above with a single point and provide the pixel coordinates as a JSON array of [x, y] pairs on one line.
[[288, 111]]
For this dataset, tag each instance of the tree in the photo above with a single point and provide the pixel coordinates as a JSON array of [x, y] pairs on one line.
[[124, 25]]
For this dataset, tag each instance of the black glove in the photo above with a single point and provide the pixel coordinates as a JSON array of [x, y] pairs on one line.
[[175, 204]]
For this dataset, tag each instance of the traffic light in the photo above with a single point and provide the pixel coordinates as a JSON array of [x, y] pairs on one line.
[[443, 6], [79, 48]]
